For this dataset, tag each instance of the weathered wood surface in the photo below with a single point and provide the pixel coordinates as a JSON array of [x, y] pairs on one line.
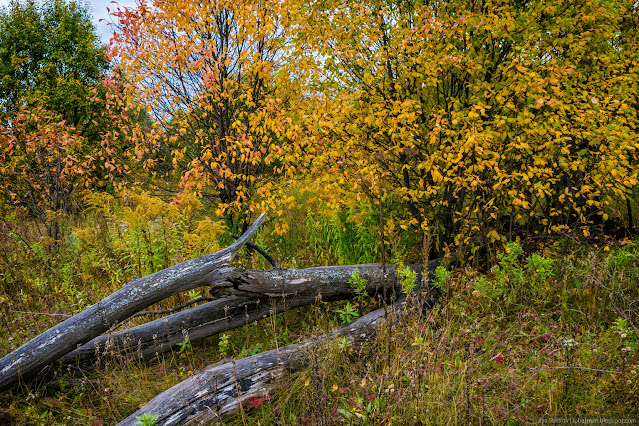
[[51, 345], [329, 282], [217, 392], [271, 292], [161, 335]]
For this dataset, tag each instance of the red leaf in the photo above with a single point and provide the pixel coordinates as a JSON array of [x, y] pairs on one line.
[[256, 402]]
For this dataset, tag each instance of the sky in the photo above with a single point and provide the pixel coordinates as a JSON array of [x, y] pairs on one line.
[[98, 9], [100, 12]]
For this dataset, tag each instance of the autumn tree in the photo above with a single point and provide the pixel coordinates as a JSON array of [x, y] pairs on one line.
[[484, 120], [206, 73], [55, 136], [42, 167]]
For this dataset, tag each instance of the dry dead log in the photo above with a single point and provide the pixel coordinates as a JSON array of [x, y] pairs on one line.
[[220, 390], [254, 295], [56, 342], [161, 335], [328, 282], [217, 392]]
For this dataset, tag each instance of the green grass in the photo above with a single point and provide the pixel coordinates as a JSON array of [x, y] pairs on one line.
[[550, 334], [550, 348]]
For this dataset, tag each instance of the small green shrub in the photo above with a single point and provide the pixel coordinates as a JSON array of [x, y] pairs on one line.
[[441, 277], [147, 419], [358, 285], [343, 343], [347, 314], [508, 272], [224, 344], [185, 345], [245, 352], [489, 288], [408, 279], [194, 294], [344, 236], [539, 269]]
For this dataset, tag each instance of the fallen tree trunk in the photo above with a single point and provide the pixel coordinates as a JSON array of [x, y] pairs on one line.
[[271, 292], [326, 282], [31, 357], [217, 392], [221, 390], [161, 335]]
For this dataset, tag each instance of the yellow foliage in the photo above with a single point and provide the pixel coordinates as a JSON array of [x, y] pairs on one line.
[[204, 238], [481, 122], [147, 232], [223, 124]]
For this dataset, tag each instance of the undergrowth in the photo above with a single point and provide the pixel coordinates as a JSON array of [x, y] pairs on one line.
[[535, 338], [545, 334]]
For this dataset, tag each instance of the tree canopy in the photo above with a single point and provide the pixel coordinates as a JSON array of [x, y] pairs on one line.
[[55, 133], [51, 57], [484, 120], [207, 74], [477, 121]]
